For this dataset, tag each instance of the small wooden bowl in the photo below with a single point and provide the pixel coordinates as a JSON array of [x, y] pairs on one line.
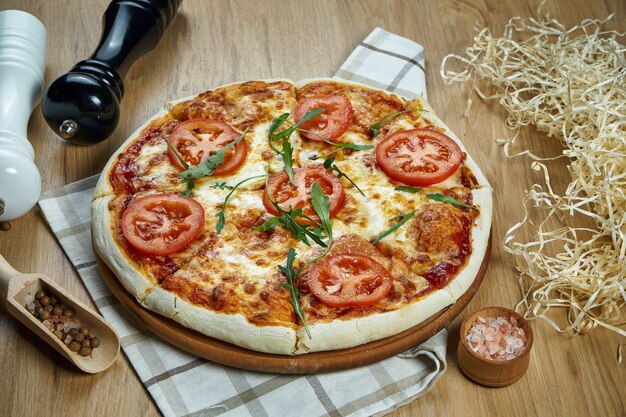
[[493, 373]]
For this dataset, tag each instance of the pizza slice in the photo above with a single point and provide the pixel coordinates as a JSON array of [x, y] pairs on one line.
[[233, 291], [249, 107], [356, 294]]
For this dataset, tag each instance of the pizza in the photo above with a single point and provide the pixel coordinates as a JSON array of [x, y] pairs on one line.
[[291, 217]]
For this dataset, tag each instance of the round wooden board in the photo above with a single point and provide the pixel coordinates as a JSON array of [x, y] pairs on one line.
[[232, 355]]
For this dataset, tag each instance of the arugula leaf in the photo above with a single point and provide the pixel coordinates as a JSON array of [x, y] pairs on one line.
[[178, 156], [284, 135], [350, 146], [408, 189], [221, 186], [270, 224], [291, 275], [337, 144], [376, 127], [450, 200], [288, 160], [188, 181], [328, 164], [207, 167], [275, 125], [309, 115], [320, 203], [221, 220], [190, 186], [403, 218], [288, 221]]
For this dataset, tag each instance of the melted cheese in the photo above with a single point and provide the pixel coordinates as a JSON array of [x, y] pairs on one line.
[[163, 175]]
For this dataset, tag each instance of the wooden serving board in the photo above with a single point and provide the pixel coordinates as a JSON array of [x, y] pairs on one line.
[[232, 355]]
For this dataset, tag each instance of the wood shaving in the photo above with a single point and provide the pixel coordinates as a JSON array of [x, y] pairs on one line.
[[571, 84]]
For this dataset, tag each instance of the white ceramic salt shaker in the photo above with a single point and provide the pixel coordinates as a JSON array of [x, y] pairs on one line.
[[22, 63]]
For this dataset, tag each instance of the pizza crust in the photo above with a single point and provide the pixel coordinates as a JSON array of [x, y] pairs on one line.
[[301, 83], [232, 328], [342, 334], [160, 301], [109, 251], [170, 104], [103, 187], [235, 329]]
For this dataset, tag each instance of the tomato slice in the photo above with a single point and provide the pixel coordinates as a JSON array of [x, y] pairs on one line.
[[162, 224], [349, 280], [328, 125], [197, 139], [288, 196], [419, 156]]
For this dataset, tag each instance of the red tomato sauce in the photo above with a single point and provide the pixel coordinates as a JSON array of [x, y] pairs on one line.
[[124, 177], [439, 275]]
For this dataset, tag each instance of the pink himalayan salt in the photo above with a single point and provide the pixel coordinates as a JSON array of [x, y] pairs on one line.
[[496, 338]]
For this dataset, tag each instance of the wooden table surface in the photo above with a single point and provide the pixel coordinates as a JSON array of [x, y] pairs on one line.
[[215, 42]]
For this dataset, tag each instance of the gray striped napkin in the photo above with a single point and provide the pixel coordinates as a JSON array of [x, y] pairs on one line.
[[389, 62], [184, 385]]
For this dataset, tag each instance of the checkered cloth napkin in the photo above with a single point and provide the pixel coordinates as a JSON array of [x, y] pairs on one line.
[[185, 385]]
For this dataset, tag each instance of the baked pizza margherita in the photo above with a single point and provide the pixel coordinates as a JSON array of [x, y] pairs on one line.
[[293, 217]]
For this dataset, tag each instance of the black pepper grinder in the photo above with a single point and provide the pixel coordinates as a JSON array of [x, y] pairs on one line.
[[83, 106]]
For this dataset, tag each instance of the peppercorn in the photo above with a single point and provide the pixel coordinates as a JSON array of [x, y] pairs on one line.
[[95, 342], [48, 307], [85, 351]]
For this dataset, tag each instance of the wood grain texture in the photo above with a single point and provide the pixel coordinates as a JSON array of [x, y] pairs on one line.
[[212, 42]]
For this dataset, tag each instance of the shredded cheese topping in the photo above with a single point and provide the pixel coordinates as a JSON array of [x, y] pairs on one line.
[[571, 84]]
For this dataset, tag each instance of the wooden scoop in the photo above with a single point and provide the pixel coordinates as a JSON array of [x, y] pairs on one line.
[[21, 288]]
